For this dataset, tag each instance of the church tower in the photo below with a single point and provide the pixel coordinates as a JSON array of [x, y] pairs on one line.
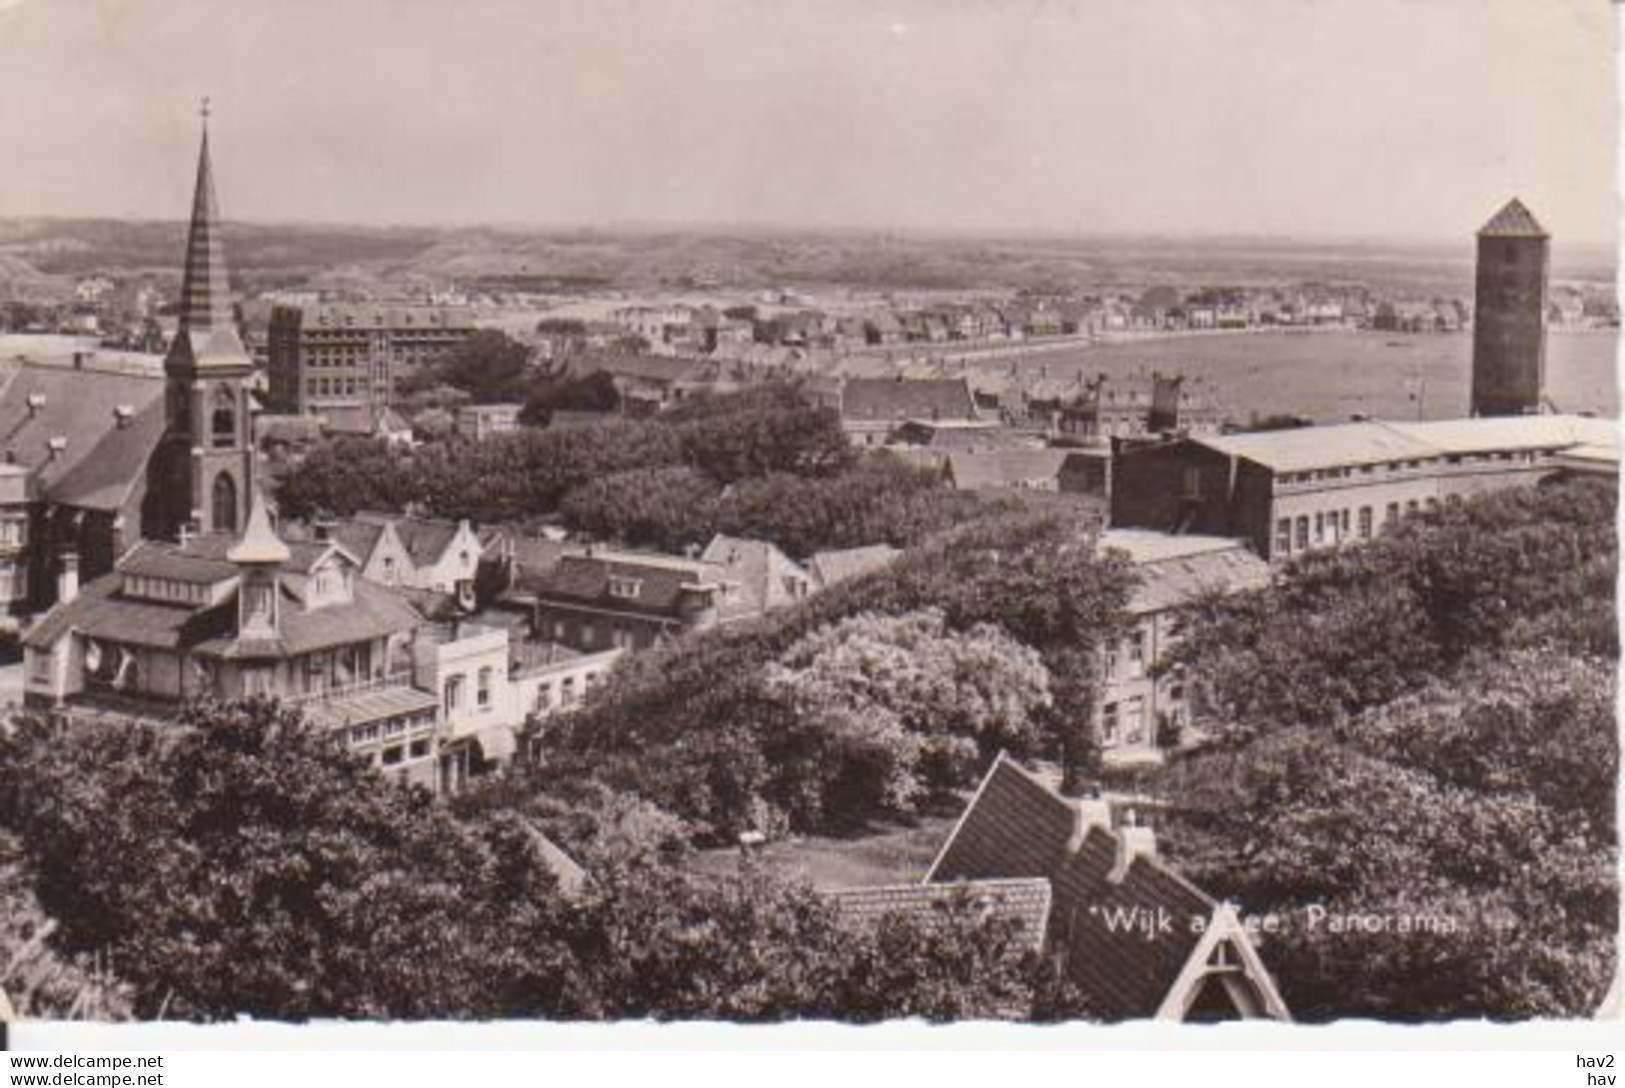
[[1509, 315], [202, 473]]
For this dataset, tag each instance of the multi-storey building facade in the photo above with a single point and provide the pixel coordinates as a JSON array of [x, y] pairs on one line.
[[1139, 707], [349, 357]]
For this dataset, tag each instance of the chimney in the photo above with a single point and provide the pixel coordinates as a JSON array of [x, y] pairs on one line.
[[187, 530], [122, 414], [1088, 813], [1133, 841], [55, 446], [324, 529], [67, 578], [36, 401], [78, 360]]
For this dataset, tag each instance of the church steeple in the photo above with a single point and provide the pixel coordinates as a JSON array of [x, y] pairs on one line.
[[202, 474], [207, 336]]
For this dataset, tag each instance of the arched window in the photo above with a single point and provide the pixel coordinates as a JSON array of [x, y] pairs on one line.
[[223, 421], [224, 513]]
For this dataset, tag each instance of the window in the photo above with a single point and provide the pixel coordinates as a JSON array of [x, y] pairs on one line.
[[418, 749], [1365, 523], [544, 696], [567, 691], [454, 693], [1283, 535], [1320, 528], [1136, 654], [1303, 531], [589, 635], [223, 425], [394, 754], [1344, 530], [482, 690], [1133, 721], [223, 518], [1109, 726], [1393, 512], [1411, 506]]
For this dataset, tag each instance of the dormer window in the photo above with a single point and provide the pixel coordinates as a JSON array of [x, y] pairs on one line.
[[625, 588]]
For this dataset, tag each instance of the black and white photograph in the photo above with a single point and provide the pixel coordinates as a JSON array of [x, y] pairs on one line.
[[768, 511]]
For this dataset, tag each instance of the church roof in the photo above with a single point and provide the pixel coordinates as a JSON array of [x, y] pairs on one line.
[[1513, 221]]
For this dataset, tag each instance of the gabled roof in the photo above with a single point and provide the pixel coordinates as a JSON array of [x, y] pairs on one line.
[[899, 399], [1018, 828], [758, 564], [1175, 569], [100, 460], [1024, 902], [425, 539], [1513, 221]]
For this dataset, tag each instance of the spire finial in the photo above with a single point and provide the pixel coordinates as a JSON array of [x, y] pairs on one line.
[[203, 110]]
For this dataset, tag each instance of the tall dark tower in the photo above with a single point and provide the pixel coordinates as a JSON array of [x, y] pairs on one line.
[[1509, 314], [202, 471]]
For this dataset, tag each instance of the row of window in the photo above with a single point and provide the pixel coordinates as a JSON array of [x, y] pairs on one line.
[[165, 589], [335, 387], [1327, 527], [621, 636], [1346, 472], [396, 754], [372, 732], [483, 680]]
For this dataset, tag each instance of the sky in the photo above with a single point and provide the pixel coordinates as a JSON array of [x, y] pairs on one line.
[[1390, 119]]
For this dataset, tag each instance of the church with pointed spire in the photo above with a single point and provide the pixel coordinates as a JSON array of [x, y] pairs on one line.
[[201, 478]]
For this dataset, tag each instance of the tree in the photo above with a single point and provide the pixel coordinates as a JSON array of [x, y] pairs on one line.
[[669, 509], [489, 365], [881, 710], [1345, 630], [594, 392], [249, 864], [340, 476], [1462, 837]]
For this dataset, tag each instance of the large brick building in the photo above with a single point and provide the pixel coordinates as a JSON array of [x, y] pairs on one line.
[[347, 360]]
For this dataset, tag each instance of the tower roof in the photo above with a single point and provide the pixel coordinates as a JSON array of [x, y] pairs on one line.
[[207, 333], [1513, 221], [259, 543]]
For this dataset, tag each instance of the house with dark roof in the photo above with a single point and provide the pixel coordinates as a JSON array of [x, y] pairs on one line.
[[407, 551], [1137, 938], [872, 408], [609, 599], [77, 434]]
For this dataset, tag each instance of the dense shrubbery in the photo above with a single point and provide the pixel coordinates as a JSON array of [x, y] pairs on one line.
[[1347, 630], [246, 864], [1421, 733], [706, 728]]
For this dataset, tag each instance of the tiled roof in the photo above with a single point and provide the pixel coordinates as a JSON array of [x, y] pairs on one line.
[[1017, 827], [425, 539], [101, 611], [374, 613], [1025, 902], [660, 580], [100, 461], [828, 568], [1004, 468], [1513, 221], [157, 559], [1510, 432], [898, 399], [1172, 582]]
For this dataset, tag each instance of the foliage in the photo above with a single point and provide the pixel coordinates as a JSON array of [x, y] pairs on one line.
[[340, 476], [1346, 630], [489, 365], [246, 864], [594, 392], [879, 710], [1472, 823], [695, 728], [667, 509]]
